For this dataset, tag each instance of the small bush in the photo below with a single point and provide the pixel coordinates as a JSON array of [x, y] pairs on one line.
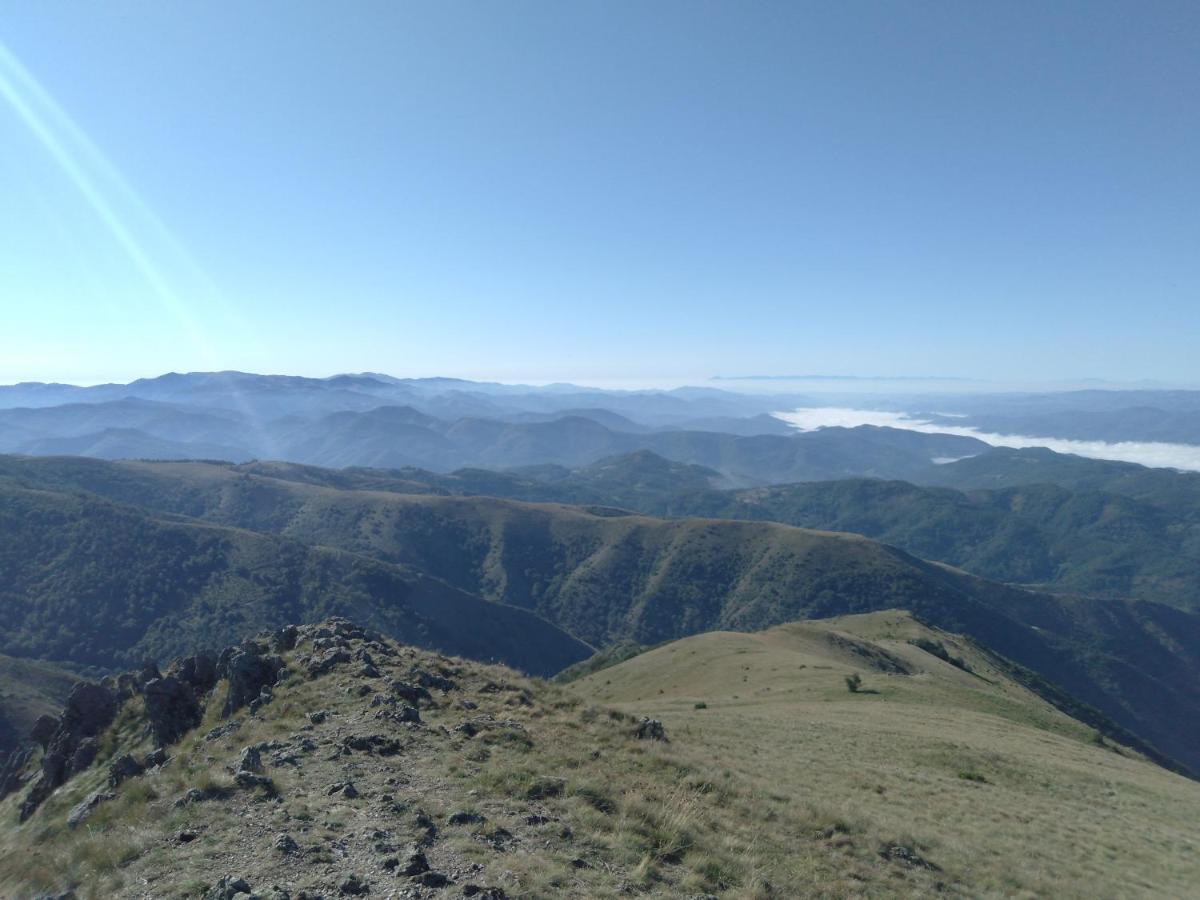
[[700, 705], [854, 683]]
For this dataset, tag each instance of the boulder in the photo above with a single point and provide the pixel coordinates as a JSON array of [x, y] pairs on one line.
[[172, 708], [123, 768], [650, 730], [250, 760], [248, 669], [84, 755], [84, 808]]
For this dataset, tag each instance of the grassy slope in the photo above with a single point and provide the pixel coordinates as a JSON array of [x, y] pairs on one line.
[[618, 816], [608, 578], [1054, 814]]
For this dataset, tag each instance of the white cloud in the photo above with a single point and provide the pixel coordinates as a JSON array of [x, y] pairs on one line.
[[1147, 453]]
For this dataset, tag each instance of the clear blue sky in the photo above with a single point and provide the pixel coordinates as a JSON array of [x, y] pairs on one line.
[[596, 191]]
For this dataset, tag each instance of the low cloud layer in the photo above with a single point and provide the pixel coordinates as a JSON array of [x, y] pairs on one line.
[[1147, 453]]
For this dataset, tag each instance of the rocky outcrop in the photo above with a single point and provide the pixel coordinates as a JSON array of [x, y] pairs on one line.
[[90, 709], [248, 669]]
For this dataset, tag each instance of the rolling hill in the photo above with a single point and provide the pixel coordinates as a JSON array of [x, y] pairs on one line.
[[988, 786], [605, 576], [372, 769]]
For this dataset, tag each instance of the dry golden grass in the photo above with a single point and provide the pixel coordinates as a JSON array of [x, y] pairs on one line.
[[1006, 795], [784, 785]]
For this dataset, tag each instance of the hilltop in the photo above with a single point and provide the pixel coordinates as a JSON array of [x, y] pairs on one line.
[[327, 760], [943, 758]]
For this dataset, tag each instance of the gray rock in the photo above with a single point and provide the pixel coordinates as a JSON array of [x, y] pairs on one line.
[[249, 781], [415, 863], [123, 768], [247, 670], [84, 755], [285, 844], [84, 808], [229, 888], [250, 760], [172, 708], [431, 680], [650, 730]]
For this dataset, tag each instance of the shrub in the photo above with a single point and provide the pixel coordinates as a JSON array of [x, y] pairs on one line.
[[853, 683]]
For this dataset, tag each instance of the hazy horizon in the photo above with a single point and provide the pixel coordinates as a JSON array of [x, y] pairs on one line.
[[833, 385]]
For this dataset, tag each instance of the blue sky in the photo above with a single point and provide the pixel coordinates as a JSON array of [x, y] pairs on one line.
[[600, 191]]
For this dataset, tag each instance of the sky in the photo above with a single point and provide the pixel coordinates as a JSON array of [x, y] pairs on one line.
[[616, 192]]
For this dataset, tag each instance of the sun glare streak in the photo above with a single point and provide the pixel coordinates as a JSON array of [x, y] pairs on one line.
[[97, 180]]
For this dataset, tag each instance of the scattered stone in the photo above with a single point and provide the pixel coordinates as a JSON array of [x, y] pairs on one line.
[[123, 768], [405, 715], [354, 887], [906, 856], [317, 717], [650, 730], [345, 789], [372, 743], [84, 808], [468, 704], [579, 863], [285, 844], [412, 693], [222, 730], [228, 888], [319, 665], [249, 781], [415, 863], [250, 760], [433, 879], [484, 893], [155, 758], [462, 817], [425, 822], [430, 680], [186, 837]]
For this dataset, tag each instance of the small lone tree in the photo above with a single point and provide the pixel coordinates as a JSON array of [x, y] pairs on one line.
[[853, 683]]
